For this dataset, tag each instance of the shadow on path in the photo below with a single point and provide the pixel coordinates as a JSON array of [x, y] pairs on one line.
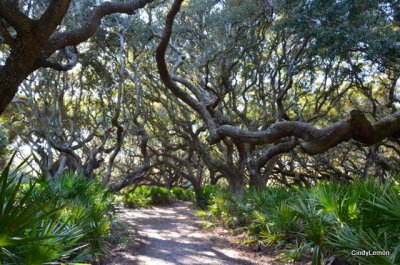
[[172, 235]]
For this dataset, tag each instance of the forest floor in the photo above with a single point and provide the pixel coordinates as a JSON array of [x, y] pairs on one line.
[[173, 235]]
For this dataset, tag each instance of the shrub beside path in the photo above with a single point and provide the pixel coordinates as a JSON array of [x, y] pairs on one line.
[[173, 235]]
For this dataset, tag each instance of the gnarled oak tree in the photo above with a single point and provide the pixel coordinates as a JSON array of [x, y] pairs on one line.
[[32, 36]]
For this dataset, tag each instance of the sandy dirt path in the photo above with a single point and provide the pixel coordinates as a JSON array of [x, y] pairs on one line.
[[172, 235]]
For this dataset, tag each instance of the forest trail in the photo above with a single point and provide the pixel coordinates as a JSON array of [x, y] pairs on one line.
[[173, 235]]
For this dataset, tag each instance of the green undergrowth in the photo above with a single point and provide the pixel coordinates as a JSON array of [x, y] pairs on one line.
[[146, 196], [67, 221], [329, 219]]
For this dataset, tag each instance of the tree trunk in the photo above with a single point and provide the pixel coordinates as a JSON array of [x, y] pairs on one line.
[[236, 186], [15, 70], [199, 195], [214, 178], [257, 181]]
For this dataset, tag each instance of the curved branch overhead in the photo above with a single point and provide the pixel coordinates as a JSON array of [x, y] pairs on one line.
[[315, 140], [199, 107], [71, 38], [275, 151]]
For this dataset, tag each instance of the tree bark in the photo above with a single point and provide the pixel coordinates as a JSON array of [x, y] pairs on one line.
[[236, 186]]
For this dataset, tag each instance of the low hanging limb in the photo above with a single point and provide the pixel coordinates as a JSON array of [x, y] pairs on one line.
[[138, 173], [316, 141]]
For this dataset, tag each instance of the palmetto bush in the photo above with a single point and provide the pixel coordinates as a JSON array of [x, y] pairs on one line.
[[41, 221], [271, 218], [376, 226], [29, 233], [160, 195], [226, 210], [88, 206], [329, 219], [145, 196], [182, 194], [138, 197], [54, 241]]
